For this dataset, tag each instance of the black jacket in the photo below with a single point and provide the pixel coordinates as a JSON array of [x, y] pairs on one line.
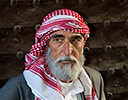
[[17, 89]]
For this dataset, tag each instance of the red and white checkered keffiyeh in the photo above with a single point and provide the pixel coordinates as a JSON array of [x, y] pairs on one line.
[[37, 74]]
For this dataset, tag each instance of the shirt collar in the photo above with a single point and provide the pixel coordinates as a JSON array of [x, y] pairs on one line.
[[74, 87]]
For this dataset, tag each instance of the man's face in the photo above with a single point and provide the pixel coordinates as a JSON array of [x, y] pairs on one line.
[[64, 43], [64, 55]]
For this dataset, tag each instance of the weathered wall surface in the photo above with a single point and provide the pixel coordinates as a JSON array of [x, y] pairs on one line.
[[106, 49]]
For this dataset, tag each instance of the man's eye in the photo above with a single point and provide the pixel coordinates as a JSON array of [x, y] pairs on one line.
[[75, 40], [58, 40]]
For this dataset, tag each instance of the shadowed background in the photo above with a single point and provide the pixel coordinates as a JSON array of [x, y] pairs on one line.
[[106, 50]]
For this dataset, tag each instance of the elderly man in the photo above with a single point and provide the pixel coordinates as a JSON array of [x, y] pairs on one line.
[[54, 66]]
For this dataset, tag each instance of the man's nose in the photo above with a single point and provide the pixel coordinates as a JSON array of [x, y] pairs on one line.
[[68, 48]]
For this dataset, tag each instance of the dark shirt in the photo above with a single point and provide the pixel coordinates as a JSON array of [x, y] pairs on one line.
[[17, 89]]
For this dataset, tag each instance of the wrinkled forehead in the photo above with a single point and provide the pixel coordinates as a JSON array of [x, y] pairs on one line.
[[66, 34]]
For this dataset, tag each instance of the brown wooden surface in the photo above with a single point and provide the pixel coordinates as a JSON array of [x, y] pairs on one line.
[[92, 11], [107, 46]]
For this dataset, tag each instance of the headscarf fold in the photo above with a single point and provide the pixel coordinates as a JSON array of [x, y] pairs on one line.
[[37, 74]]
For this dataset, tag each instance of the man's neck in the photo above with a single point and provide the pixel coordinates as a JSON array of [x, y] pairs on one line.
[[67, 81]]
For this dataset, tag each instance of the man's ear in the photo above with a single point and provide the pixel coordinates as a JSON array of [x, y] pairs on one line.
[[46, 48], [47, 44]]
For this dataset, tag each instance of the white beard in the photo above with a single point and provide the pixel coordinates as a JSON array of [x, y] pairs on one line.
[[67, 72]]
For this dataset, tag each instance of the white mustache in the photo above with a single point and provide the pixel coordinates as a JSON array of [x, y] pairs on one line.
[[64, 58]]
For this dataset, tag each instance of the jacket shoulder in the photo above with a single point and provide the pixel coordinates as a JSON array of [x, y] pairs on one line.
[[92, 72], [97, 82], [16, 88]]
